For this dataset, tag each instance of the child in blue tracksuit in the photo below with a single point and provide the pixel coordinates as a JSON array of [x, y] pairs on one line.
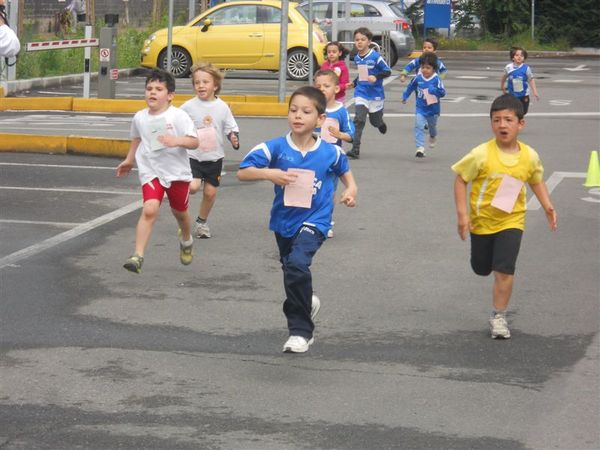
[[429, 45], [429, 89], [300, 225], [519, 77], [368, 93]]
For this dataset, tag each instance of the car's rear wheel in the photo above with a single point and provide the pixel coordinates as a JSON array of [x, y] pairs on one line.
[[297, 65], [181, 61]]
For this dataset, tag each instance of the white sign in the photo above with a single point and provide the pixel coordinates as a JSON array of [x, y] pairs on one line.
[[104, 54]]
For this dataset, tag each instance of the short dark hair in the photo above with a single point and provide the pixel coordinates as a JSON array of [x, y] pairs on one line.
[[313, 94], [432, 41], [343, 50], [327, 73], [514, 50], [430, 59], [162, 76], [365, 31], [509, 102]]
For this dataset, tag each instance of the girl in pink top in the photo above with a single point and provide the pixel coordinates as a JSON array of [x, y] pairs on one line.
[[334, 60]]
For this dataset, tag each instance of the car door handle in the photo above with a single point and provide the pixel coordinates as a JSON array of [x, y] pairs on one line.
[[255, 35]]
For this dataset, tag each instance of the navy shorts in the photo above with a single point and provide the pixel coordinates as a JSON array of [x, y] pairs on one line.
[[497, 252], [209, 171]]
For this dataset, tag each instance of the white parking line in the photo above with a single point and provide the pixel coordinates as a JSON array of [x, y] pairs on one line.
[[553, 181], [59, 166], [541, 114], [11, 259], [35, 222], [567, 81], [471, 77], [82, 191]]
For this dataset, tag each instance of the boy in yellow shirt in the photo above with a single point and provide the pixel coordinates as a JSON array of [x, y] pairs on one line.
[[498, 170]]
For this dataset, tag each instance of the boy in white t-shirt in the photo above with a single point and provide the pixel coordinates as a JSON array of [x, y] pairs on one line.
[[213, 119], [160, 135]]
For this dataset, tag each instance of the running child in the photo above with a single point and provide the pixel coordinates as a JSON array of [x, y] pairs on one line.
[[213, 119], [368, 93], [429, 89], [519, 77], [160, 135], [303, 169], [430, 45], [338, 126], [498, 170], [334, 60]]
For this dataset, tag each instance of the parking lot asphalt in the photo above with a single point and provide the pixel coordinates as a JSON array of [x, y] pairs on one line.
[[92, 356]]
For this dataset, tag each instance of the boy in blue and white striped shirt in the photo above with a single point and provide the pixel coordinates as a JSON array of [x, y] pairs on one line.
[[429, 89]]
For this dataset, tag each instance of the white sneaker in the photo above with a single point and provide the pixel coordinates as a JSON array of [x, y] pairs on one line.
[[432, 141], [499, 327], [420, 152], [202, 230], [330, 233], [315, 307], [297, 344]]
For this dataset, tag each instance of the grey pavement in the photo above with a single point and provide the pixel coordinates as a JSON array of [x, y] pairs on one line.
[[92, 356]]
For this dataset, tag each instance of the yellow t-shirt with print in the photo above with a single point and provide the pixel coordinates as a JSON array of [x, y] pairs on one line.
[[484, 167]]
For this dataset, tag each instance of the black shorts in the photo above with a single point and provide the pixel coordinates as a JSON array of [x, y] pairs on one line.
[[209, 171], [525, 103], [497, 252]]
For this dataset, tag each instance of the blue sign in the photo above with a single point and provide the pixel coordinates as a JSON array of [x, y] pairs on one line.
[[437, 14]]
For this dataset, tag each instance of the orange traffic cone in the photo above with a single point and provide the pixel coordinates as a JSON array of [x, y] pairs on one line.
[[593, 173]]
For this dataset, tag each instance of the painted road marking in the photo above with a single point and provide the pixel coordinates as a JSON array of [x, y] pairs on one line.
[[551, 183], [577, 69], [548, 114], [80, 229], [471, 77], [34, 222], [559, 102], [80, 191], [567, 81], [60, 166]]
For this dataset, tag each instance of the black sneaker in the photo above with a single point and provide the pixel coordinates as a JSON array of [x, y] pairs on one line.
[[382, 128], [134, 263], [352, 154]]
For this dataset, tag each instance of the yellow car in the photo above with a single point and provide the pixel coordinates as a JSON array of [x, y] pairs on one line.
[[238, 35]]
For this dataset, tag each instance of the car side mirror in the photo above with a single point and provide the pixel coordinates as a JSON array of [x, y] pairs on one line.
[[207, 24]]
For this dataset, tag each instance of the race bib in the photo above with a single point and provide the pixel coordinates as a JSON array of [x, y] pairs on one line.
[[207, 139]]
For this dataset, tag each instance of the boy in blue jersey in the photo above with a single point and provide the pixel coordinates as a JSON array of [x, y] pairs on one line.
[[368, 88], [300, 228], [338, 123], [430, 45], [429, 89], [519, 78]]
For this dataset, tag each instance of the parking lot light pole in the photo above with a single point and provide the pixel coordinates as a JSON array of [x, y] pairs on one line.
[[311, 68], [532, 20], [283, 29], [170, 36]]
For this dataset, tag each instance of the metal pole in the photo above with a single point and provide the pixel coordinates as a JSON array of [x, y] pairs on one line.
[[283, 50], [170, 36], [87, 52], [191, 9], [532, 20], [13, 16], [311, 68]]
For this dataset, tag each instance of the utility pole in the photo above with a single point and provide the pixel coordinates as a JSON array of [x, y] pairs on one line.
[[532, 20]]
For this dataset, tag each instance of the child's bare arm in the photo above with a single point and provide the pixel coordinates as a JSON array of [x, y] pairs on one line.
[[336, 133], [534, 89], [276, 176], [348, 197], [127, 164], [541, 192], [179, 141], [503, 83], [462, 212]]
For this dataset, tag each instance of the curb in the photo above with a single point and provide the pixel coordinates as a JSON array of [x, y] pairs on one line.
[[27, 143]]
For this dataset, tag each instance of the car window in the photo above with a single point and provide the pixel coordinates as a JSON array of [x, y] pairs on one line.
[[234, 15], [397, 9], [270, 14], [363, 10], [319, 10]]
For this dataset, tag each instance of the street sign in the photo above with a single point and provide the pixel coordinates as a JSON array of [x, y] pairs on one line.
[[104, 54], [437, 14]]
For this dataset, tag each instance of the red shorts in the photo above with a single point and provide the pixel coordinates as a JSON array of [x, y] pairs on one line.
[[178, 193]]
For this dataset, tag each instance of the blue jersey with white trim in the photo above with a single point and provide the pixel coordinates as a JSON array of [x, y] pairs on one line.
[[326, 160], [376, 65], [415, 66], [340, 113], [434, 86], [518, 79]]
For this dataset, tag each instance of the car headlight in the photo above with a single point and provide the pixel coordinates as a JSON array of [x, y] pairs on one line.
[[148, 41]]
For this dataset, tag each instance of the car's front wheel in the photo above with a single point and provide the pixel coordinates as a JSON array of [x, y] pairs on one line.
[[297, 65], [181, 61]]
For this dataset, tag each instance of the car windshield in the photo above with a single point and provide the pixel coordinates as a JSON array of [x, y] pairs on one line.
[[301, 11], [397, 8]]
